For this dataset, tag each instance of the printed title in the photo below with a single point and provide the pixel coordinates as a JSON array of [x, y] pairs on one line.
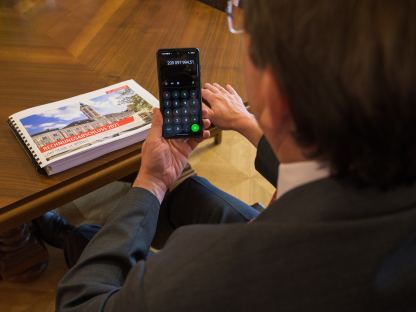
[[86, 134]]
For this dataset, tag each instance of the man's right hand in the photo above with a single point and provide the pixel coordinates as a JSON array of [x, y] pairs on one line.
[[227, 111]]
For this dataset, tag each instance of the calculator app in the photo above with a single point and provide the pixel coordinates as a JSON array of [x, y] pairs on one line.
[[180, 92]]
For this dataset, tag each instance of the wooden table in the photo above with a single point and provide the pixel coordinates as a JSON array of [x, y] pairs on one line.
[[54, 49]]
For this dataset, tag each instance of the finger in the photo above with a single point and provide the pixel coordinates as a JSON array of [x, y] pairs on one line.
[[211, 88], [221, 88], [206, 134], [206, 111], [212, 98], [230, 89], [206, 123], [194, 142], [209, 97], [157, 122], [207, 94]]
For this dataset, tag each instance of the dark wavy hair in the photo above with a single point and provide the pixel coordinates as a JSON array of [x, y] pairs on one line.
[[348, 71]]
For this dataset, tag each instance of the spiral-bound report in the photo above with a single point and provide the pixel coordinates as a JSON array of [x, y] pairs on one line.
[[64, 134]]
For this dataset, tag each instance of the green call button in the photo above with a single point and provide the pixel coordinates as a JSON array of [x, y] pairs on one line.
[[195, 127]]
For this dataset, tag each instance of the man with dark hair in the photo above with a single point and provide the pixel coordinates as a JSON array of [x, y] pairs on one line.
[[332, 88]]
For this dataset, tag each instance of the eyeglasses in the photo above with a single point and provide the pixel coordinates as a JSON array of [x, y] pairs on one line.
[[235, 16]]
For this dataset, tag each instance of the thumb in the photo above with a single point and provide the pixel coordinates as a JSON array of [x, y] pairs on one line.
[[157, 123]]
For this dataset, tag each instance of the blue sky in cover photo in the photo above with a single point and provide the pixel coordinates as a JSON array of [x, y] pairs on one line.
[[60, 117]]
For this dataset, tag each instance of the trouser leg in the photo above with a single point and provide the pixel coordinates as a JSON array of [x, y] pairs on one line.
[[197, 201], [76, 241], [194, 201]]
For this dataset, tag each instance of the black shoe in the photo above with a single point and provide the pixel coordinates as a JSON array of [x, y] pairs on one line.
[[52, 228]]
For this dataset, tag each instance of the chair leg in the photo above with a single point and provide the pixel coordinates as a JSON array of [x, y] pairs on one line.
[[218, 138]]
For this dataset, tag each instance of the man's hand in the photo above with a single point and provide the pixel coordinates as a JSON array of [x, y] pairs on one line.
[[163, 160], [227, 111]]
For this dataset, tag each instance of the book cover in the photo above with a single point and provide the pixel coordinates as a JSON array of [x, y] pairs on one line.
[[61, 129]]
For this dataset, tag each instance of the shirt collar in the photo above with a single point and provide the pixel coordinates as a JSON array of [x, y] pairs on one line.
[[292, 175]]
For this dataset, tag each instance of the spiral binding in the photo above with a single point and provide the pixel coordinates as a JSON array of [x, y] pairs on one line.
[[13, 123]]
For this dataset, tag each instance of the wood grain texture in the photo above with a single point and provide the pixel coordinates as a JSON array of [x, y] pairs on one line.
[[51, 50]]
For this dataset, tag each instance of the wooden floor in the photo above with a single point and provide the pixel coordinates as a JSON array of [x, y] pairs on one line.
[[228, 166]]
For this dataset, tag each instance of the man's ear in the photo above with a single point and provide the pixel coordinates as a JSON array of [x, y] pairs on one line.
[[276, 120], [275, 115]]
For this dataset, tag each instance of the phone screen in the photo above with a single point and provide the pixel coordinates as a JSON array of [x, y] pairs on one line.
[[180, 92]]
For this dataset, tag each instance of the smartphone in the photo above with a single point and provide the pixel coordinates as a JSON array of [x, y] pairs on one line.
[[179, 75]]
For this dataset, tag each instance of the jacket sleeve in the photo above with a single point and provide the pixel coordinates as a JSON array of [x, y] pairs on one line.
[[102, 270], [266, 162]]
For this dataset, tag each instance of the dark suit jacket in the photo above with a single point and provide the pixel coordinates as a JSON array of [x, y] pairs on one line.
[[315, 249]]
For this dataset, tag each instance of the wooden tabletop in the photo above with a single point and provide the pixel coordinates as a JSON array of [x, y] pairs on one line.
[[51, 50]]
